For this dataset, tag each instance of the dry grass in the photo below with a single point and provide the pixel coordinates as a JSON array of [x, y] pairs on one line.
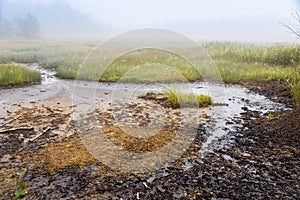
[[134, 144], [57, 156]]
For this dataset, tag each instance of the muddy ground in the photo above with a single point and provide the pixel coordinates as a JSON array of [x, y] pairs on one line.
[[260, 160]]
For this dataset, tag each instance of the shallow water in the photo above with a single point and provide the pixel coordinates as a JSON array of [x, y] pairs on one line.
[[232, 100]]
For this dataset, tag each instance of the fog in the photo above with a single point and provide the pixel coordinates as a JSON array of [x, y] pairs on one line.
[[215, 20]]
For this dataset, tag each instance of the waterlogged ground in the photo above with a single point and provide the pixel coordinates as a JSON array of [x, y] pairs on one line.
[[86, 140]]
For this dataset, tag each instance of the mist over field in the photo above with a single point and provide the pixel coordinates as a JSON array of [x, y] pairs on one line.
[[56, 19], [246, 21]]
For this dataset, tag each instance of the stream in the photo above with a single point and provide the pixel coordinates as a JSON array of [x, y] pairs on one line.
[[230, 102]]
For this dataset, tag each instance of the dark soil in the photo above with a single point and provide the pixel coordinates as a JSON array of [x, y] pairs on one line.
[[277, 91], [261, 161]]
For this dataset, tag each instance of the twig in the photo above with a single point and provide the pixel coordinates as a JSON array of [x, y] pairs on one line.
[[8, 122], [35, 137], [17, 129], [220, 104], [40, 134]]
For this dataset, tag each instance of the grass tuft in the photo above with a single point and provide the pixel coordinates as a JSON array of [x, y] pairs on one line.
[[11, 74], [177, 99]]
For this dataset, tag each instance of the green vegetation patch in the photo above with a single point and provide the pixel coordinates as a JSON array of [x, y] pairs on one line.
[[11, 74], [283, 55], [177, 99], [142, 66]]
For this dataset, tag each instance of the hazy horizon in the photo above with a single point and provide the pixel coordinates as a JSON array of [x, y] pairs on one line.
[[231, 20]]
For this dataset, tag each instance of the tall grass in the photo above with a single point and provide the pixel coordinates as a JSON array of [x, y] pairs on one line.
[[10, 74], [50, 54], [139, 66], [284, 55], [294, 83], [234, 72]]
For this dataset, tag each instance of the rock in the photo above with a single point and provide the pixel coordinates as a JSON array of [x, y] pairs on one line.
[[227, 157], [43, 90], [246, 155], [244, 108], [203, 116], [6, 158], [161, 98], [91, 169], [160, 188]]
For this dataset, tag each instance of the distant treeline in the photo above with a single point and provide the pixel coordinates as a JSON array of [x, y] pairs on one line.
[[21, 27]]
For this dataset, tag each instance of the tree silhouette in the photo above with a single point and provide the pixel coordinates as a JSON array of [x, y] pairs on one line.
[[27, 27], [5, 26]]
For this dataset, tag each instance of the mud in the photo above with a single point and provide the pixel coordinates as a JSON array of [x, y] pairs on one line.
[[260, 163], [250, 155], [278, 91]]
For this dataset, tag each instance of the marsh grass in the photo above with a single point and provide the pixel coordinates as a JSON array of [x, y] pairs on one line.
[[147, 66], [232, 72], [236, 62], [294, 83], [284, 55], [176, 99], [11, 74]]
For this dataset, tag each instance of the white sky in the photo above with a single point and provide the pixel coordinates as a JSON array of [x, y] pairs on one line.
[[242, 20], [141, 11]]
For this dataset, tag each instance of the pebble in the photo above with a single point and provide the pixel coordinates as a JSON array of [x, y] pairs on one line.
[[246, 155], [6, 158]]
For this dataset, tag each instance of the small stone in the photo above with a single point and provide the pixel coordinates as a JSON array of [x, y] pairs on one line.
[[227, 157], [5, 158], [203, 116], [246, 155], [244, 108], [43, 90]]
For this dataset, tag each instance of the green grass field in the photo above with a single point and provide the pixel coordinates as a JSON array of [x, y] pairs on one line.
[[236, 63], [11, 75]]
